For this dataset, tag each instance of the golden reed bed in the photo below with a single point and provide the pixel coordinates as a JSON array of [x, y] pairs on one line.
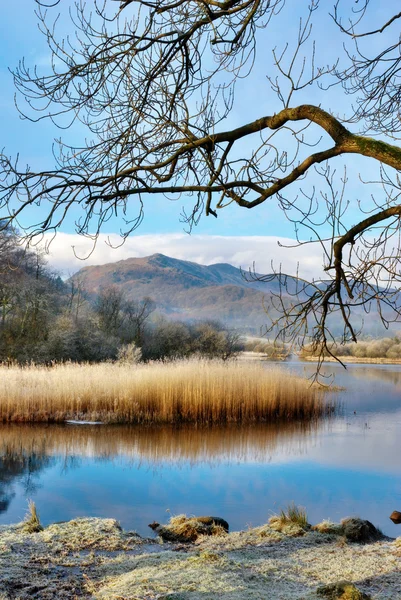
[[192, 391]]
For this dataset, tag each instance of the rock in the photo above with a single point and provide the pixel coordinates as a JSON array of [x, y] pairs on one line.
[[188, 529], [396, 517], [341, 590], [169, 535], [213, 521], [359, 530]]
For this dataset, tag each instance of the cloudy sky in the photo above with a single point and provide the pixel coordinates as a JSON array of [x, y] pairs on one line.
[[238, 236], [70, 252]]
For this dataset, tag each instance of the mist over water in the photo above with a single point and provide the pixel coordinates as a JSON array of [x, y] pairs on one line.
[[345, 465]]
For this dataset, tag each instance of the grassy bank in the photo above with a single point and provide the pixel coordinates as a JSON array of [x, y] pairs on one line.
[[196, 391], [94, 559], [378, 351], [355, 360]]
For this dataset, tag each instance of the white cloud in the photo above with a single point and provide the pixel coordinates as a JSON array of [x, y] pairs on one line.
[[240, 251]]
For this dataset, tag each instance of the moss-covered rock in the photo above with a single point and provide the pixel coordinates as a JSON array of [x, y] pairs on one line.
[[341, 590], [359, 530]]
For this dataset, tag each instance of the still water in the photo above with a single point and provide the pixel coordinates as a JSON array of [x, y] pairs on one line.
[[347, 465]]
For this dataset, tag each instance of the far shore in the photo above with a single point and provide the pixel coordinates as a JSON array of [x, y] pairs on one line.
[[94, 559], [247, 355], [354, 359]]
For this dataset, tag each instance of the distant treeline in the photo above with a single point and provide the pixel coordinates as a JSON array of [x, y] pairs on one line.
[[274, 350], [383, 348], [44, 319]]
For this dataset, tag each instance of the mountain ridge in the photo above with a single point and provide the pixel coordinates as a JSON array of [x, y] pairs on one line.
[[185, 289]]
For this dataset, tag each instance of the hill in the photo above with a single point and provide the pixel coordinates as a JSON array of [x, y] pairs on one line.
[[186, 290]]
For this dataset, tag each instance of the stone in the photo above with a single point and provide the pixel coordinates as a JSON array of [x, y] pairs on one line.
[[396, 517], [359, 530], [188, 529], [341, 590], [213, 521]]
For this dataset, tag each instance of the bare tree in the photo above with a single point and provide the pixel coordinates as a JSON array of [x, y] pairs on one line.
[[212, 340], [136, 313], [108, 307], [167, 340], [76, 296], [153, 81]]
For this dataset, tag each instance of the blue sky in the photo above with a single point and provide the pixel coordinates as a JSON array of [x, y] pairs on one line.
[[20, 38]]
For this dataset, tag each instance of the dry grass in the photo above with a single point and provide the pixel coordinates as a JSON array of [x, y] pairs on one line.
[[192, 391], [94, 559], [295, 514], [32, 523], [293, 521], [188, 529], [329, 527]]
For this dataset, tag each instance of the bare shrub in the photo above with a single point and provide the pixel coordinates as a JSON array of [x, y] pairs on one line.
[[394, 351], [129, 354], [374, 349]]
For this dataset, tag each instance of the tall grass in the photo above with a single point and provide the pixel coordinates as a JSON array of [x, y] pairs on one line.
[[295, 514], [32, 522], [193, 391], [293, 521]]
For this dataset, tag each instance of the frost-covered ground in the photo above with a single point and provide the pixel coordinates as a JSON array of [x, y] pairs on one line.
[[94, 558]]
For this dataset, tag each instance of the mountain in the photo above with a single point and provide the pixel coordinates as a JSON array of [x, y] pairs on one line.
[[187, 290]]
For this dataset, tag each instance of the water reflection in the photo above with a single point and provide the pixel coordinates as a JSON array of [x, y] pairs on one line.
[[24, 467], [342, 466], [135, 474], [370, 388], [381, 373], [256, 443]]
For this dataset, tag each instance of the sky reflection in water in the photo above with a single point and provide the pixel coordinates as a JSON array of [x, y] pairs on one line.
[[346, 466]]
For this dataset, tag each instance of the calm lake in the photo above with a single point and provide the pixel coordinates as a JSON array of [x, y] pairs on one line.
[[347, 465]]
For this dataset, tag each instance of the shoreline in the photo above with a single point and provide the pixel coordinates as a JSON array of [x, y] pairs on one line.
[[355, 360], [94, 558], [345, 359]]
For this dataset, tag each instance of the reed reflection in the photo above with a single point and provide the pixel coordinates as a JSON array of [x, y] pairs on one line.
[[166, 444]]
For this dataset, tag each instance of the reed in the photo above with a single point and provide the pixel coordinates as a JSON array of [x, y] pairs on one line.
[[32, 523], [293, 521], [192, 391]]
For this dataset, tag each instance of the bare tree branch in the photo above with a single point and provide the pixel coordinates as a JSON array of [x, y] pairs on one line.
[[154, 82]]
